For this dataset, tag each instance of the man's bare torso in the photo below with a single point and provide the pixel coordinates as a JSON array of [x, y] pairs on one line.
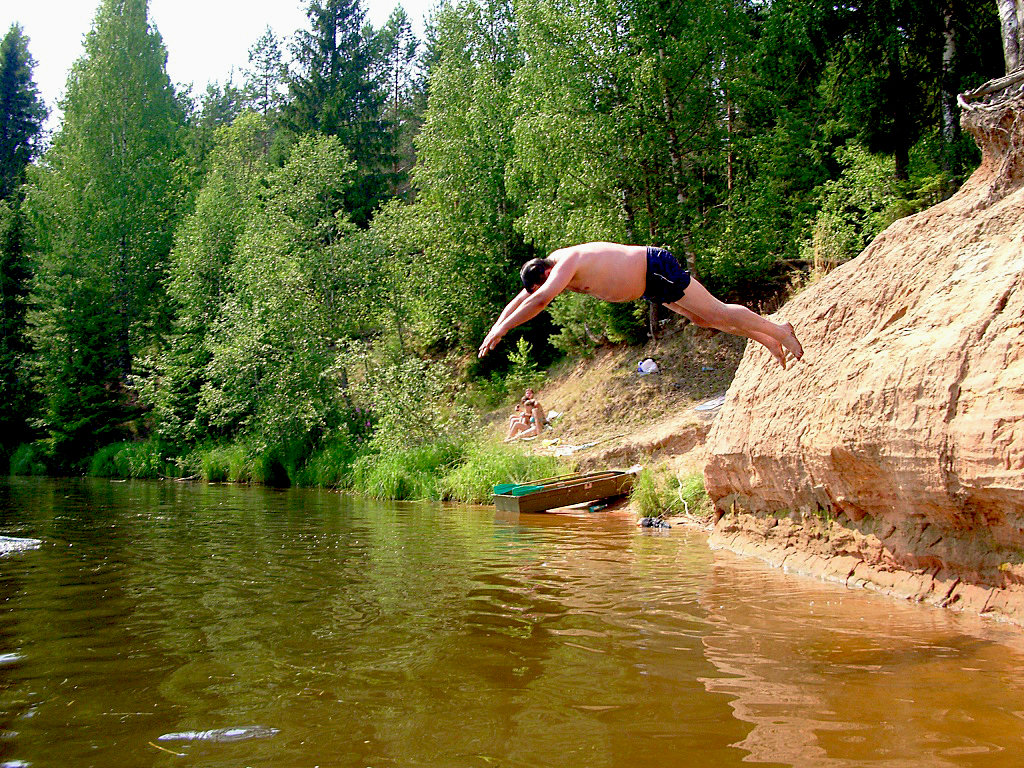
[[608, 271]]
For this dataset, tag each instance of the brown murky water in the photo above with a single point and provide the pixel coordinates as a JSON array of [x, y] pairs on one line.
[[160, 624]]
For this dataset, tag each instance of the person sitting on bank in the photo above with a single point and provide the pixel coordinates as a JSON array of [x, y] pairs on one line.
[[530, 395], [617, 273], [518, 427], [536, 422], [517, 422]]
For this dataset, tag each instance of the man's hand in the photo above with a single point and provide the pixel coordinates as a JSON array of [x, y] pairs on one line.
[[491, 340]]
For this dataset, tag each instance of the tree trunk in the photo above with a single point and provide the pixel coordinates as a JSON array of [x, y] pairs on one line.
[[1011, 17], [947, 94], [730, 157], [675, 154]]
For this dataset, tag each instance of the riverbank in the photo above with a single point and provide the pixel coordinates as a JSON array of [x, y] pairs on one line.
[[611, 416], [873, 555], [616, 418]]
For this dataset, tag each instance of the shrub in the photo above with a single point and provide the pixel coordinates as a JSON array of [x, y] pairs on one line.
[[413, 401], [139, 460], [30, 459], [523, 373], [585, 322], [660, 492], [864, 200]]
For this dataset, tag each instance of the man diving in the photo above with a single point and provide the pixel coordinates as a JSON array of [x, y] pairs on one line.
[[616, 272]]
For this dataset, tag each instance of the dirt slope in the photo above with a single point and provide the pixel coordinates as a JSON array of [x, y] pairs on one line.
[[624, 418]]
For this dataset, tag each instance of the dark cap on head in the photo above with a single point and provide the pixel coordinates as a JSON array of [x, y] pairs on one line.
[[534, 273]]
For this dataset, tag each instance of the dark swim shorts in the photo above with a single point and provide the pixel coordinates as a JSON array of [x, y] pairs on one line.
[[666, 280]]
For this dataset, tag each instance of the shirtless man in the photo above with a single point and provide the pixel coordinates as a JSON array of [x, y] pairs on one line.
[[616, 272]]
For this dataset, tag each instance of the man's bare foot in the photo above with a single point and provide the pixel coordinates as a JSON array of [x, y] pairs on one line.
[[790, 342], [777, 352]]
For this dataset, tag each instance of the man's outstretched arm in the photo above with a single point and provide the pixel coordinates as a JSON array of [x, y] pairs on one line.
[[526, 306]]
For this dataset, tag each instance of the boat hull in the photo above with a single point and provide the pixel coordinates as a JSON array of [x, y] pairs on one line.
[[567, 491]]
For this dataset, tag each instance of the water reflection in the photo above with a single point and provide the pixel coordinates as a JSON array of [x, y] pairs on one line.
[[835, 677], [365, 634]]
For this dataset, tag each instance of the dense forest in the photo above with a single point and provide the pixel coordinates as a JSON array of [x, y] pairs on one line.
[[284, 279]]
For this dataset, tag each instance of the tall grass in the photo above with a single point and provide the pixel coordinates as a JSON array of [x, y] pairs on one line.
[[660, 492], [410, 473], [328, 467], [138, 460], [486, 465], [233, 463]]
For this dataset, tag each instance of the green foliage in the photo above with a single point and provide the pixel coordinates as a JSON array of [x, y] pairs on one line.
[[298, 285], [693, 494], [746, 249], [646, 495], [79, 340], [138, 460], [221, 464], [333, 92], [405, 473], [863, 201], [265, 78], [486, 465], [585, 322], [15, 388], [404, 91], [105, 201], [328, 467], [660, 492], [22, 111], [31, 459], [523, 374], [199, 281], [413, 401], [241, 463], [462, 227]]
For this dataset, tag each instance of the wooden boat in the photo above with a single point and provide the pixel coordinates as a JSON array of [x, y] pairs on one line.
[[564, 491]]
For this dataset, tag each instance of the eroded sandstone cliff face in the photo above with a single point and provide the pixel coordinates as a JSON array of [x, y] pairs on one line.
[[893, 458]]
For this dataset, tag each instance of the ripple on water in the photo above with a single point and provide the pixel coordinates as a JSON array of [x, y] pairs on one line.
[[422, 636], [9, 544], [222, 735]]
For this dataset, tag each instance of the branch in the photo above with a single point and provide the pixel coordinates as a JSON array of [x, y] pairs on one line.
[[992, 86]]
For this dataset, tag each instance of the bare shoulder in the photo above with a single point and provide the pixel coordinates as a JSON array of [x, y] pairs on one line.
[[567, 253]]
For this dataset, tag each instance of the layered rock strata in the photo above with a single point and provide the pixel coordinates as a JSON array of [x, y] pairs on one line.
[[893, 457]]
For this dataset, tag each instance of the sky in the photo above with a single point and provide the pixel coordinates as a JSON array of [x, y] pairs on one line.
[[204, 39]]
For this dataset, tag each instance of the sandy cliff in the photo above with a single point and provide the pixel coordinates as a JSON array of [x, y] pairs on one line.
[[893, 458]]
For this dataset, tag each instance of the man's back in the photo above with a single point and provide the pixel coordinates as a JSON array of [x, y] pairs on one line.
[[608, 271]]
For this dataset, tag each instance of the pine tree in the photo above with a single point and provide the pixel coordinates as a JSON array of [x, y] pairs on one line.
[[333, 93], [22, 113], [107, 198], [405, 93], [266, 76]]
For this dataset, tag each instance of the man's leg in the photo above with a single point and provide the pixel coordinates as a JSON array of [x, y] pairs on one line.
[[774, 346], [705, 310]]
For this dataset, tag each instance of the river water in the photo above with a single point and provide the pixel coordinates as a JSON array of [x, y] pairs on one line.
[[163, 624]]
